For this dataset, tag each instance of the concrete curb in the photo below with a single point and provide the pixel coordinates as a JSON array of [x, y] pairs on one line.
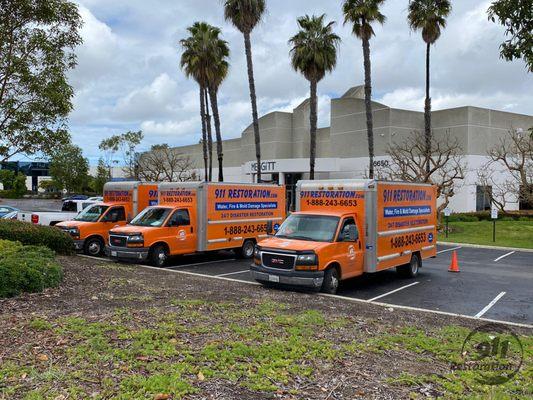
[[483, 246]]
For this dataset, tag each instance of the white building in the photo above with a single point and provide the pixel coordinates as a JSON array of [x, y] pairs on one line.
[[342, 150]]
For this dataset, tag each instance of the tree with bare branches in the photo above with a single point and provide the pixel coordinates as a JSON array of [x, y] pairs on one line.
[[508, 175], [163, 164], [409, 160]]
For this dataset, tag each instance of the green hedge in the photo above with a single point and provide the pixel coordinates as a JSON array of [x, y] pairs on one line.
[[27, 269], [37, 235], [523, 215]]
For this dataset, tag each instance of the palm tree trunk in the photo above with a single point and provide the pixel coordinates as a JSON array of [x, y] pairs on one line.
[[209, 135], [368, 106], [204, 132], [216, 117], [313, 123], [255, 119], [427, 116]]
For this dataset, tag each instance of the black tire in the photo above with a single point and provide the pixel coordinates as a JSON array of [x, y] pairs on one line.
[[247, 249], [410, 270], [331, 281], [158, 256], [94, 247]]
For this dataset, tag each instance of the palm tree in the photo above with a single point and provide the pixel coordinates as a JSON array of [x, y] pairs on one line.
[[245, 15], [361, 14], [217, 71], [193, 66], [204, 58], [430, 17], [314, 53]]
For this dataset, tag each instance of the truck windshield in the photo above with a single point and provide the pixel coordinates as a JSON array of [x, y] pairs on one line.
[[317, 228], [91, 214], [151, 217]]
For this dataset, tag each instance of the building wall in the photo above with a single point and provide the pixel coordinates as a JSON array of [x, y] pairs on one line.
[[285, 138]]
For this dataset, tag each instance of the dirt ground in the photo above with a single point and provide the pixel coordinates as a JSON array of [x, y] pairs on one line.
[[118, 331]]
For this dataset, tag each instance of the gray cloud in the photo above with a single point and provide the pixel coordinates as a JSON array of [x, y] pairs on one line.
[[128, 75]]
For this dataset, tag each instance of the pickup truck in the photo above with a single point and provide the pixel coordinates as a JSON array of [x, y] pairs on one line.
[[69, 210]]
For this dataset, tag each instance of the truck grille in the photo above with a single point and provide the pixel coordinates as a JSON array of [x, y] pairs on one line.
[[280, 261], [119, 241]]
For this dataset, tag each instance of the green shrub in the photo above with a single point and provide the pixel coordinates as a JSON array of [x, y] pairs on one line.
[[29, 234], [27, 269]]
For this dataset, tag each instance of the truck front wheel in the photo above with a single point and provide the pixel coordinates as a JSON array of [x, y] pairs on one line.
[[331, 281], [93, 247], [247, 249], [410, 270], [158, 256]]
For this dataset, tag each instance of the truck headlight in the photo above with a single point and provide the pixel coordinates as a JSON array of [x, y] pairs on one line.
[[257, 255], [307, 259], [136, 240], [73, 231]]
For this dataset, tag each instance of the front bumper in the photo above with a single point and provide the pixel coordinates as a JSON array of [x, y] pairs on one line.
[[127, 253], [309, 279]]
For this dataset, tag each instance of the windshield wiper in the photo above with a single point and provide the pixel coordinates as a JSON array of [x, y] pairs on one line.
[[300, 237]]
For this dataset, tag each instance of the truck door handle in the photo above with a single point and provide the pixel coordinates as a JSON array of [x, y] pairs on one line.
[[192, 229]]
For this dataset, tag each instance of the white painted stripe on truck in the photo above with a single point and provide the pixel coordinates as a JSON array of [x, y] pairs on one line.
[[238, 238], [428, 247], [389, 257], [243, 221], [407, 230]]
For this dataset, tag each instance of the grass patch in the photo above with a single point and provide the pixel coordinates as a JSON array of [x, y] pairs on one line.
[[508, 233], [259, 346]]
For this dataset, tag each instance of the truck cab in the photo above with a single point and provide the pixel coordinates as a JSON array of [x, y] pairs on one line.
[[89, 229], [155, 234], [307, 246], [122, 201]]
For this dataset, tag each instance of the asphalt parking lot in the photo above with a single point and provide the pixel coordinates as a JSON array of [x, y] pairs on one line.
[[494, 284]]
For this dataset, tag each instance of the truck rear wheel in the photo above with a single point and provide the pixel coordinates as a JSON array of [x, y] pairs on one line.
[[410, 270], [93, 247], [247, 249], [331, 281], [158, 256]]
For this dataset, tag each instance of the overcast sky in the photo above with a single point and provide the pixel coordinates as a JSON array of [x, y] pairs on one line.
[[128, 75]]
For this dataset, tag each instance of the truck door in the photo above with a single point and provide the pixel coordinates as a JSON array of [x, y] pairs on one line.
[[350, 252], [183, 235], [115, 216]]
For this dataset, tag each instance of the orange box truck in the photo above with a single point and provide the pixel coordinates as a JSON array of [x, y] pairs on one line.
[[122, 201], [196, 217], [344, 228]]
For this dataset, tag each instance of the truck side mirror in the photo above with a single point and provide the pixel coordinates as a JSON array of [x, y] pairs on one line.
[[269, 228]]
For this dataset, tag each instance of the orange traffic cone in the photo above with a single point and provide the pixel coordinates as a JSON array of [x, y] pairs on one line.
[[454, 266]]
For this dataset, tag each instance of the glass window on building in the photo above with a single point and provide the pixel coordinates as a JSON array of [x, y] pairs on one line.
[[483, 194]]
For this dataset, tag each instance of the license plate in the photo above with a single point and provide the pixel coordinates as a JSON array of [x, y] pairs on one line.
[[273, 278], [113, 254]]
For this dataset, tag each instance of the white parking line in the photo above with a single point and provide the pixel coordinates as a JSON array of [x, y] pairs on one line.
[[200, 263], [505, 255], [234, 273], [489, 306], [392, 291], [332, 296], [453, 248]]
